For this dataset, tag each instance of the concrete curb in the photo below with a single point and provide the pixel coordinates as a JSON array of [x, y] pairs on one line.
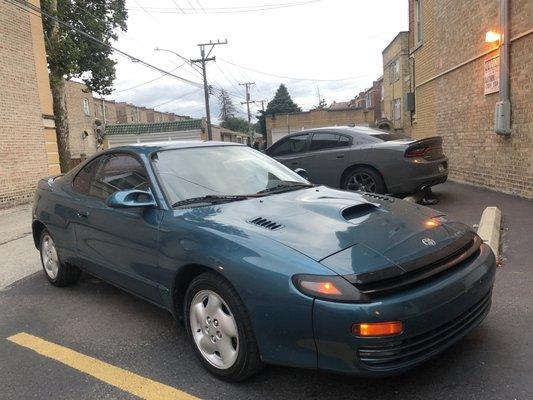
[[489, 228]]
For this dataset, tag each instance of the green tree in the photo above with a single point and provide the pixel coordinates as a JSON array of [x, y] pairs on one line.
[[321, 104], [235, 124], [260, 125], [73, 55], [227, 108], [282, 102]]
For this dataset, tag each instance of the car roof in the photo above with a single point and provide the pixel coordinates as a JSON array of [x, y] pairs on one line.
[[150, 147], [344, 129]]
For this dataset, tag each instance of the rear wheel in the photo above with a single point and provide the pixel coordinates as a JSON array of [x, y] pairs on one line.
[[220, 329], [365, 180], [57, 273]]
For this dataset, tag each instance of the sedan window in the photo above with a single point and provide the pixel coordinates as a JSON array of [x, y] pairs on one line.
[[118, 172], [322, 141], [291, 145]]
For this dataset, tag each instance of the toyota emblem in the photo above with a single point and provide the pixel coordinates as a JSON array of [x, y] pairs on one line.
[[429, 242]]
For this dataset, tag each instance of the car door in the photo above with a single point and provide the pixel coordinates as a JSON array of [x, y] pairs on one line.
[[119, 245], [327, 157], [291, 151]]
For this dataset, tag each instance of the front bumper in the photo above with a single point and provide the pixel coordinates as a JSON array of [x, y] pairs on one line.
[[435, 315]]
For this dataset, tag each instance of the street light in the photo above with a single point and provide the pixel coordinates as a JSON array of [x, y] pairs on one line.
[[492, 36]]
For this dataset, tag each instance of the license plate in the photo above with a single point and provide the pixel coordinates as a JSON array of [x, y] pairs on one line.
[[441, 168]]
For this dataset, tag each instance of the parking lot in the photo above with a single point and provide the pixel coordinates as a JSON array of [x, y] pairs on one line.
[[116, 329]]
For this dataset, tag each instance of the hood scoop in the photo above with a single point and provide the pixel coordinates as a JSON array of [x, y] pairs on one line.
[[378, 196], [358, 211], [265, 223]]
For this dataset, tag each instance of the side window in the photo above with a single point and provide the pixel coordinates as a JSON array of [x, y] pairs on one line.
[[82, 180], [344, 141], [323, 141], [118, 172], [292, 145]]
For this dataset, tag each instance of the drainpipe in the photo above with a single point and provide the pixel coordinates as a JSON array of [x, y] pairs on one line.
[[502, 117]]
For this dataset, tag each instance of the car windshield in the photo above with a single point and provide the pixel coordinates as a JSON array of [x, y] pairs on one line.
[[220, 171]]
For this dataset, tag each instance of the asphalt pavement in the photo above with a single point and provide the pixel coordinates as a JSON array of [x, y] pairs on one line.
[[95, 319]]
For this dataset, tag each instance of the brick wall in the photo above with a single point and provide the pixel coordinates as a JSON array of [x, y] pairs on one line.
[[452, 104], [28, 149]]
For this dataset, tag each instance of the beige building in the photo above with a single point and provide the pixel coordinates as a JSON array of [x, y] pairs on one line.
[[190, 129], [88, 115], [396, 84], [28, 147], [451, 65], [280, 125]]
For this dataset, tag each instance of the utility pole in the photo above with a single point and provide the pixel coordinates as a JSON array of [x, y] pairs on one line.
[[247, 102], [205, 58]]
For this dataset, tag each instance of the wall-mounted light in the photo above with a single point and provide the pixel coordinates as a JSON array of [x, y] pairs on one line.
[[492, 36]]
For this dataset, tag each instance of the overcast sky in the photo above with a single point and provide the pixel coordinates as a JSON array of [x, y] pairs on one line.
[[334, 45]]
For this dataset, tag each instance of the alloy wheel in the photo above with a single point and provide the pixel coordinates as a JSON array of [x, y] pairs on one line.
[[214, 329], [49, 256], [361, 181]]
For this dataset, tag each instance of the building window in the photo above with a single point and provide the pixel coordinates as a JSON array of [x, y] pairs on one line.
[[86, 108], [418, 21], [394, 71], [368, 100], [396, 109]]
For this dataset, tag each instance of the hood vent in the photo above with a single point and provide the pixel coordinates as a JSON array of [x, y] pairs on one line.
[[358, 211], [378, 196], [265, 223]]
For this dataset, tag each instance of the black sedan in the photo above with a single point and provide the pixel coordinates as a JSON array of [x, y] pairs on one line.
[[362, 158]]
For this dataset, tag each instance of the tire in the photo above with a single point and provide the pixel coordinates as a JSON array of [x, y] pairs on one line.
[[226, 348], [57, 272], [368, 180]]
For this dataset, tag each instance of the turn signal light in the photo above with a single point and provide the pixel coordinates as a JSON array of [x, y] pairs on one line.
[[321, 287], [377, 329]]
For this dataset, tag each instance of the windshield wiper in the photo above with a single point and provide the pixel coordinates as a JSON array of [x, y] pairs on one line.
[[210, 199], [284, 186]]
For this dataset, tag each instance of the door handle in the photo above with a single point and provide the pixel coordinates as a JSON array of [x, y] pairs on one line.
[[294, 163], [340, 156], [82, 214]]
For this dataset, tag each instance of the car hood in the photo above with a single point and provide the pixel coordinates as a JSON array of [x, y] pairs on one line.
[[347, 232]]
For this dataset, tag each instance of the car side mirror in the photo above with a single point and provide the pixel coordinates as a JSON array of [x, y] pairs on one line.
[[303, 173], [131, 198]]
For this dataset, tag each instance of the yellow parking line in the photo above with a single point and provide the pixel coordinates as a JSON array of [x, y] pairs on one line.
[[125, 380]]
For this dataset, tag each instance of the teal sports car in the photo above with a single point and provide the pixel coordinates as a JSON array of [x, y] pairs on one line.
[[262, 266]]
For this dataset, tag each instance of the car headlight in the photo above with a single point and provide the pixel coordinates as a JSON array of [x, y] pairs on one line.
[[328, 287]]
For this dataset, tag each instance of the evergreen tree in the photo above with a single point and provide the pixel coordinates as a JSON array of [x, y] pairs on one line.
[[227, 108], [282, 102]]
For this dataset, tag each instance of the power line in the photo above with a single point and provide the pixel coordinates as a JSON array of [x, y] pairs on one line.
[[25, 5], [226, 10], [147, 82], [291, 77]]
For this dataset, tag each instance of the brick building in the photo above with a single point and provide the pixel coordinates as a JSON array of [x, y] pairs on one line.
[[448, 56], [86, 111], [396, 83], [279, 125], [28, 147]]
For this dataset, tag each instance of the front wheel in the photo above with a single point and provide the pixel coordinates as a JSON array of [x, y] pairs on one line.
[[219, 328], [364, 180], [57, 273]]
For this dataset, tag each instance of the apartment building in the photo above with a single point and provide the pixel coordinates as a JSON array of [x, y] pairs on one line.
[[396, 114], [28, 146], [88, 115], [455, 80]]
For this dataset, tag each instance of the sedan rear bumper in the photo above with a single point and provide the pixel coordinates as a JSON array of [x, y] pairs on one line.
[[417, 174], [435, 314]]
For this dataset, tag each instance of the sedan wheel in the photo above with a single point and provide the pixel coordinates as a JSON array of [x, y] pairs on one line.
[[49, 257], [214, 329], [361, 181], [364, 179]]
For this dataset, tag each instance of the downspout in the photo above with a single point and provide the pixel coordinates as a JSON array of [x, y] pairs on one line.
[[502, 117]]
